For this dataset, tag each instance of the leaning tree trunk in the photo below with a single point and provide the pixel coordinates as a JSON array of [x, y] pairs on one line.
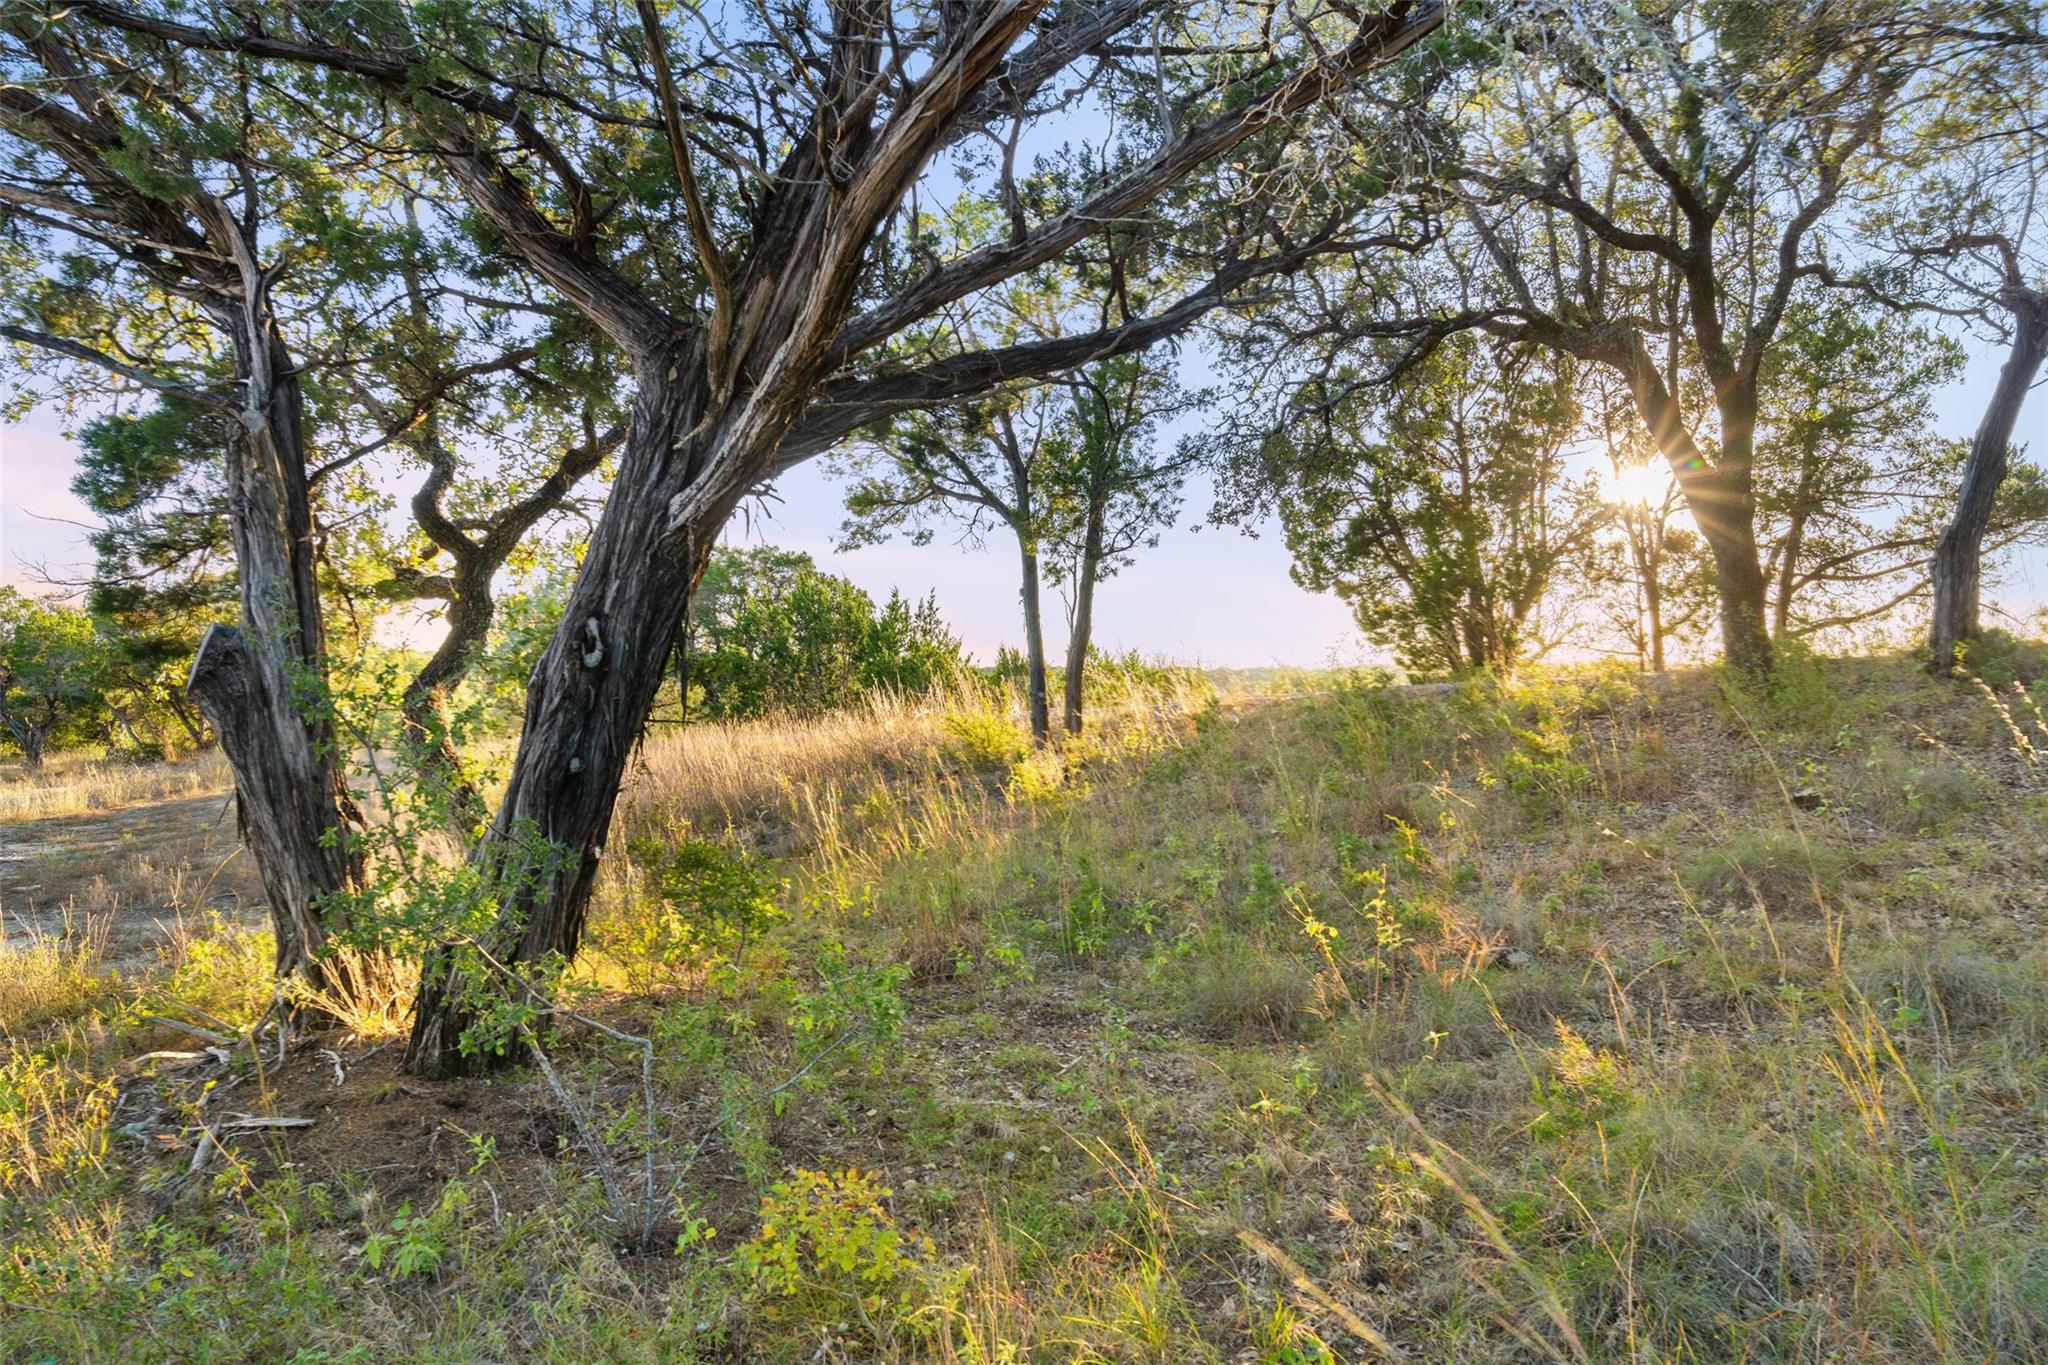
[[586, 704], [1958, 554], [1788, 574]]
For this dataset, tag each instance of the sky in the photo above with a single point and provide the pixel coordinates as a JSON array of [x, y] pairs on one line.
[[1206, 595]]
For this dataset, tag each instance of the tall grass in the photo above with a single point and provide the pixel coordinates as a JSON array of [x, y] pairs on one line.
[[72, 785]]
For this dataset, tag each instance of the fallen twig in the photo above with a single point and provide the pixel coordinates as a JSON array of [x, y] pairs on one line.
[[180, 1026]]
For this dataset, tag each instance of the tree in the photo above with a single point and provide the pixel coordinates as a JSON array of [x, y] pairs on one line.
[[180, 229], [52, 673], [1649, 193], [1439, 507], [769, 633], [1960, 237], [1066, 467], [138, 188], [1113, 490], [1846, 467], [1663, 569], [975, 466], [770, 338], [165, 557]]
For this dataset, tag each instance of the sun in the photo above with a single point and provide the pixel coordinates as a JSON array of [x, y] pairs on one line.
[[1639, 485]]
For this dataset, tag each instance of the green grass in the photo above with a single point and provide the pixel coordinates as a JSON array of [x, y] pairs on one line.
[[1582, 1017]]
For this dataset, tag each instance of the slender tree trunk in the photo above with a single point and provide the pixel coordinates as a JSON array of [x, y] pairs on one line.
[[1034, 646], [1084, 621], [1958, 554], [177, 707], [1788, 574], [1653, 606], [685, 646]]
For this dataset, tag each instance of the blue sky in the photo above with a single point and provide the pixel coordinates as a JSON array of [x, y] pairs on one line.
[[1204, 595]]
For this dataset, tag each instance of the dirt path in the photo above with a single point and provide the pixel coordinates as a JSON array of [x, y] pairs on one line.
[[134, 868]]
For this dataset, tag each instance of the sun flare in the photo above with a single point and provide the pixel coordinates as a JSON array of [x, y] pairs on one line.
[[1639, 485]]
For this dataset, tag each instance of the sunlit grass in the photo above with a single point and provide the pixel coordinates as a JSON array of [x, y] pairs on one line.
[[1578, 1017], [72, 785]]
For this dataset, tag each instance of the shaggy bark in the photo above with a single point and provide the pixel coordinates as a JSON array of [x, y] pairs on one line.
[[262, 687], [264, 681]]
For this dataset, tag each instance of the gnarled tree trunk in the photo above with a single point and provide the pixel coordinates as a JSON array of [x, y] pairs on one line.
[[587, 702], [1958, 554], [262, 686]]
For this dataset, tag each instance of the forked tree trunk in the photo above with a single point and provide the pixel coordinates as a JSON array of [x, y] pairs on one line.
[[1788, 573], [30, 740], [262, 686], [1958, 554], [175, 703]]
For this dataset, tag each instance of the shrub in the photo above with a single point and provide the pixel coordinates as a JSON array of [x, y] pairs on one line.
[[224, 969], [1777, 866], [1246, 988], [702, 904], [827, 1242], [986, 738]]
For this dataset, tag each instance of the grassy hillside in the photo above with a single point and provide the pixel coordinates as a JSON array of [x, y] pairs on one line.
[[1585, 1017]]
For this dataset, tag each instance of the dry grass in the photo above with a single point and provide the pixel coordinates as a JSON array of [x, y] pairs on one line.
[[71, 785], [713, 777]]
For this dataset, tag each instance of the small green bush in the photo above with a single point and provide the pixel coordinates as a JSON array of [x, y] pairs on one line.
[[1778, 866], [1246, 988], [827, 1242], [1917, 790], [986, 739]]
